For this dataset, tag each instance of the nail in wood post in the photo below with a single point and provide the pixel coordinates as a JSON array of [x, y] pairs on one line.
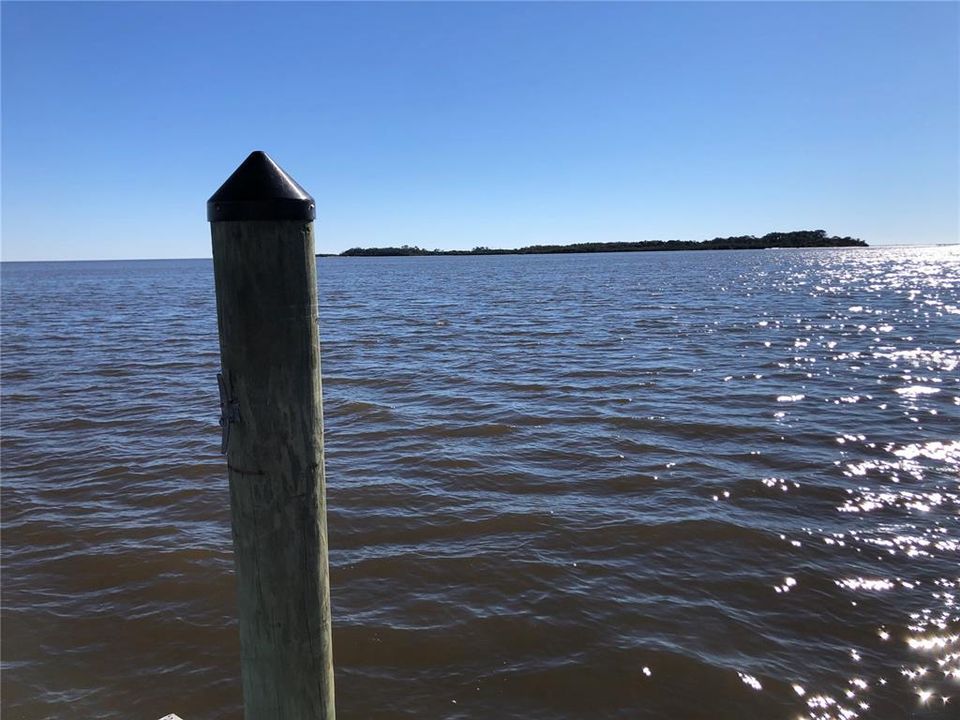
[[265, 272]]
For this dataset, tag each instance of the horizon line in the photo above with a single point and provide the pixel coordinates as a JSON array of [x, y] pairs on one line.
[[339, 255]]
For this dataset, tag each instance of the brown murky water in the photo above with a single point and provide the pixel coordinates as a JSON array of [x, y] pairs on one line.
[[661, 485]]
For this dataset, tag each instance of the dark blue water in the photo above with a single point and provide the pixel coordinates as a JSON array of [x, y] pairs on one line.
[[658, 485]]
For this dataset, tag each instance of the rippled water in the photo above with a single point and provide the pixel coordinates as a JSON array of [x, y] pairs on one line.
[[659, 485]]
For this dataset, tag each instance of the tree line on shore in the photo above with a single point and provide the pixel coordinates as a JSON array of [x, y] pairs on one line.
[[795, 239]]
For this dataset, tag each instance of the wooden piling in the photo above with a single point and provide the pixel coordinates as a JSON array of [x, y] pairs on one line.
[[265, 274]]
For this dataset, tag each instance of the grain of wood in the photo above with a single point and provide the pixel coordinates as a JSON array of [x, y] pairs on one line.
[[265, 275]]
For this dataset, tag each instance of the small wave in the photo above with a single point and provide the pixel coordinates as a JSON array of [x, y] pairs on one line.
[[915, 391]]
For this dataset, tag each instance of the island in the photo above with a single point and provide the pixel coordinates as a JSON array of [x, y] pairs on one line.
[[794, 239]]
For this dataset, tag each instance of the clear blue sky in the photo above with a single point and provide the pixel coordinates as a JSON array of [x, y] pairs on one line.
[[456, 125]]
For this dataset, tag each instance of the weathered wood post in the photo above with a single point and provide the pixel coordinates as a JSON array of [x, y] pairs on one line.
[[272, 418]]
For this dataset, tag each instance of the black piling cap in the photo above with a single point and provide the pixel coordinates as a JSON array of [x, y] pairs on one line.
[[260, 190]]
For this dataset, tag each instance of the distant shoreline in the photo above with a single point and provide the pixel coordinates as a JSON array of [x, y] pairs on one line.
[[795, 239]]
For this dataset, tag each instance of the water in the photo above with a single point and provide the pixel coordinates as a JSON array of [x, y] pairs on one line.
[[659, 485]]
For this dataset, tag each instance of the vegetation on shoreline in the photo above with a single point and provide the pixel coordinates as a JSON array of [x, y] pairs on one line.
[[795, 239]]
